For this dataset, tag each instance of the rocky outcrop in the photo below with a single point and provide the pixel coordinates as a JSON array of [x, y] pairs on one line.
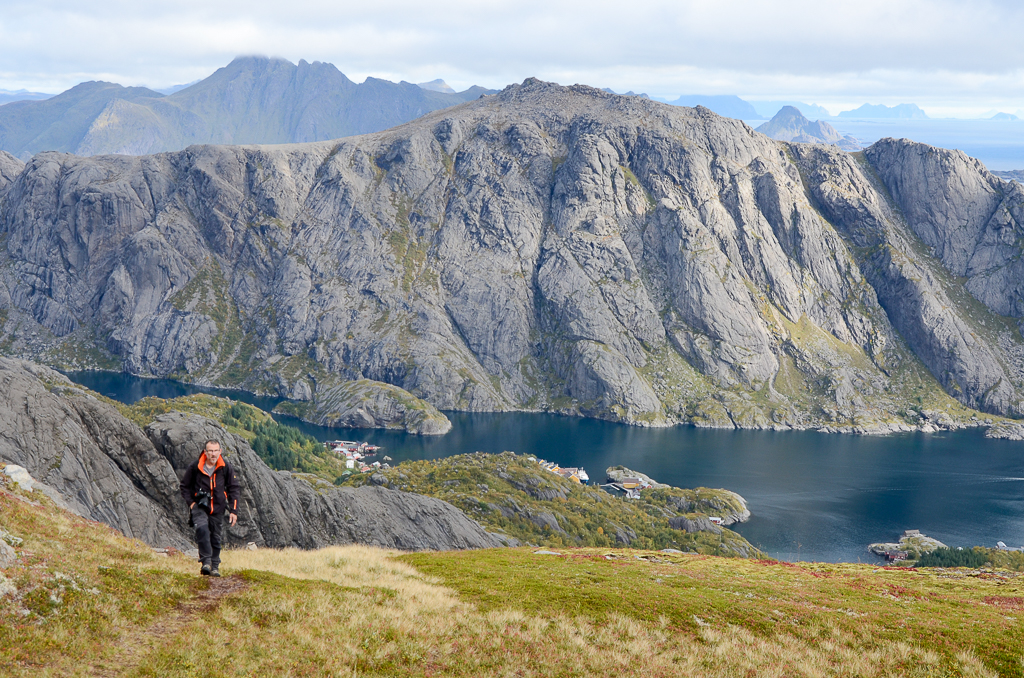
[[280, 509], [107, 469], [913, 544], [789, 124], [10, 168], [616, 474], [547, 248], [1006, 430], [696, 523], [369, 404], [102, 465]]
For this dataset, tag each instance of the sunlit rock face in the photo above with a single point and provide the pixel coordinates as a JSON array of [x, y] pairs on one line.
[[547, 248]]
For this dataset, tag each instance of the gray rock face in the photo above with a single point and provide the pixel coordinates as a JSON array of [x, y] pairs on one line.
[[102, 465], [10, 168], [279, 509], [547, 248], [107, 469], [968, 218], [972, 350], [695, 524], [8, 556]]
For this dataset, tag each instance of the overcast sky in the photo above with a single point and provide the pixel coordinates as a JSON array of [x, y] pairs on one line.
[[949, 56]]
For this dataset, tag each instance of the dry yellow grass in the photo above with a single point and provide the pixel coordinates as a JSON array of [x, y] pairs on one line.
[[360, 611], [351, 566], [418, 627]]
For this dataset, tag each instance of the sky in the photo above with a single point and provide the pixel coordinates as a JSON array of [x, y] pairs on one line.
[[951, 57]]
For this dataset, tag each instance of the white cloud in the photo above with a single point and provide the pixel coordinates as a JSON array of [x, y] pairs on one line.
[[943, 53]]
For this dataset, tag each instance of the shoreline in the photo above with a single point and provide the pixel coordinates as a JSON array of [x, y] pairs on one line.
[[930, 421]]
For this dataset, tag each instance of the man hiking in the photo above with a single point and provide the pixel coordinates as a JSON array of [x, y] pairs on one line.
[[209, 487]]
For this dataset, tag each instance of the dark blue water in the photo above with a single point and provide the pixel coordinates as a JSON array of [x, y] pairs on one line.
[[813, 496]]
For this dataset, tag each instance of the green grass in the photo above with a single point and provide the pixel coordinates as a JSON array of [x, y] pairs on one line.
[[502, 491], [943, 612], [117, 609], [81, 588]]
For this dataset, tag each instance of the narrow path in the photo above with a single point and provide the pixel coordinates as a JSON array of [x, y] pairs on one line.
[[138, 643]]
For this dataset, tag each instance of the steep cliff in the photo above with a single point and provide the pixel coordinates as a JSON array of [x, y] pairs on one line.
[[556, 248], [107, 469]]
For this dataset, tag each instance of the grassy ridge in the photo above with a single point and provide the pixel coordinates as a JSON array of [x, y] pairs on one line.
[[515, 495], [345, 611]]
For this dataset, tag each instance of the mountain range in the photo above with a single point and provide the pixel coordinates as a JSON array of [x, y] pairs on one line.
[[546, 248], [729, 105], [251, 100], [879, 111]]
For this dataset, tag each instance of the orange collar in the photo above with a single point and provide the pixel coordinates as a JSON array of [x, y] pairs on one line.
[[202, 462]]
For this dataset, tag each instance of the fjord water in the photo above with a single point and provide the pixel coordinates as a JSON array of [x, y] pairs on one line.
[[813, 496]]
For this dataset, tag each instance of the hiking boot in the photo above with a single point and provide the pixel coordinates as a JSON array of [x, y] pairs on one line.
[[215, 572], [206, 571]]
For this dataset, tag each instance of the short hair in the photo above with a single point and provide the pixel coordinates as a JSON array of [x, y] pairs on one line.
[[215, 442]]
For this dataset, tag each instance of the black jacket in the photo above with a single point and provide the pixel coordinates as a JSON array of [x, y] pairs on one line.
[[223, 485]]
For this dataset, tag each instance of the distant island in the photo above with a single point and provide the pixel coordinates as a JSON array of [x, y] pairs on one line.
[[789, 124]]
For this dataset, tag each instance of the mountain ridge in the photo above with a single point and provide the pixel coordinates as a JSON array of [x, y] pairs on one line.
[[239, 103], [548, 248]]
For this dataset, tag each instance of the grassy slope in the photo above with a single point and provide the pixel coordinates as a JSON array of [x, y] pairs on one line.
[[347, 611], [481, 483]]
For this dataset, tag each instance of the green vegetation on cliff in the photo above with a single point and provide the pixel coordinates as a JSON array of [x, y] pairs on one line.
[[515, 495], [976, 557], [281, 447]]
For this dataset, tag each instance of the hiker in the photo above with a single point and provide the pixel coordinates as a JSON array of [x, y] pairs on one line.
[[209, 487]]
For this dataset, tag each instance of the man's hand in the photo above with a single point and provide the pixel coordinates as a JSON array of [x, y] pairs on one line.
[[232, 519], [192, 505]]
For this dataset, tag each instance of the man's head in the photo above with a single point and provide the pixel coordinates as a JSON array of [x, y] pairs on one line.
[[212, 450]]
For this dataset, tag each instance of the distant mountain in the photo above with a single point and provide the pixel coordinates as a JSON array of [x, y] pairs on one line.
[[61, 123], [252, 100], [438, 85], [790, 125], [768, 109], [1004, 116], [902, 111], [630, 93], [7, 96], [1010, 175], [729, 105], [175, 88], [583, 253]]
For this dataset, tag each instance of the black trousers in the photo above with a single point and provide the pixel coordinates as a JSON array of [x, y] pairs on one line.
[[208, 531]]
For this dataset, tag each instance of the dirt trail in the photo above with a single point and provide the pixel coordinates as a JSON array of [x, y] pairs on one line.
[[137, 643]]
